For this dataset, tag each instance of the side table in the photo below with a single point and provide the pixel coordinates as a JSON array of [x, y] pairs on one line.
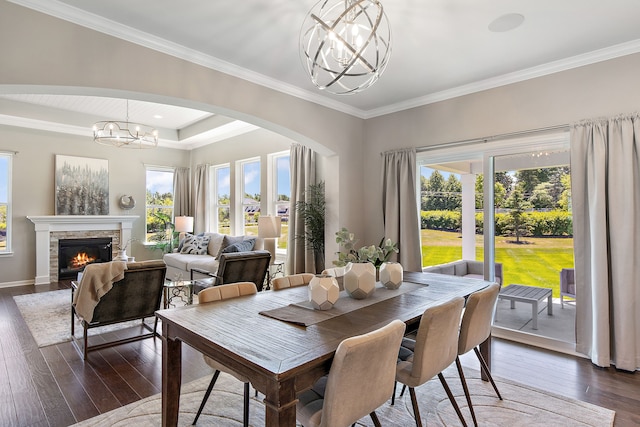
[[181, 289]]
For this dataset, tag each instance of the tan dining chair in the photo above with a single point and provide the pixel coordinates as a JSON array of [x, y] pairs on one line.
[[474, 330], [434, 349], [218, 293], [291, 281], [360, 380]]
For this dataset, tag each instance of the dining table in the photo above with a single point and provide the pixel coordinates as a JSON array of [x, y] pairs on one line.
[[281, 344]]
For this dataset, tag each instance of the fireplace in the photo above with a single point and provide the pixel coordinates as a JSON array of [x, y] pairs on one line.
[[75, 254]]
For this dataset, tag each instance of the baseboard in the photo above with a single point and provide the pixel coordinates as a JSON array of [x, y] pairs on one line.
[[14, 284], [536, 340]]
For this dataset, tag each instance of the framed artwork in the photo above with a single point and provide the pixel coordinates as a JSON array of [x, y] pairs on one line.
[[82, 186]]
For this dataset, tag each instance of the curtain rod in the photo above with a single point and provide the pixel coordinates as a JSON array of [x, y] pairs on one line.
[[9, 152], [491, 138]]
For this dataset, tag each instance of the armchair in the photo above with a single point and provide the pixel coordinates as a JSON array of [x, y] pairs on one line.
[[567, 285], [136, 296], [249, 266]]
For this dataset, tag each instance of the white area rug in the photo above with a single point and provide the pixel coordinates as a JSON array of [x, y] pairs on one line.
[[48, 316], [522, 406]]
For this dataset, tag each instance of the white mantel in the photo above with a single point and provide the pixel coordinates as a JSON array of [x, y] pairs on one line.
[[45, 225]]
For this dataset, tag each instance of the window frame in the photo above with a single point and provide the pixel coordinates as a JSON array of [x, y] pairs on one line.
[[8, 250], [239, 202], [149, 168], [214, 205]]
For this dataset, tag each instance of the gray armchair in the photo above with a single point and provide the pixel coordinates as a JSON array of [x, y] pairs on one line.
[[137, 296], [567, 285], [248, 266]]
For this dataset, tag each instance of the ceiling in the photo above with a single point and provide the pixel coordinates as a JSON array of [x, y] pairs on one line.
[[441, 49]]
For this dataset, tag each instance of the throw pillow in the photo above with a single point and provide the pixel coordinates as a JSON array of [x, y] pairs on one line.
[[186, 235], [244, 246], [229, 240], [196, 245]]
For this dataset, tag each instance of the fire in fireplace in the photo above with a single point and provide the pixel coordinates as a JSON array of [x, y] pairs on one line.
[[75, 254]]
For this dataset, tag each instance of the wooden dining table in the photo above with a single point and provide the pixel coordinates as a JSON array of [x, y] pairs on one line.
[[282, 358]]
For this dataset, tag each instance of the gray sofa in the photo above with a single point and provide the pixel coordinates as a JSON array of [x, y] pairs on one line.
[[179, 264], [464, 268]]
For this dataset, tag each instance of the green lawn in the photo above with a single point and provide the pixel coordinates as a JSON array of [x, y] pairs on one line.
[[537, 262]]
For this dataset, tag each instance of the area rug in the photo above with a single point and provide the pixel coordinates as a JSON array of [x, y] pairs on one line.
[[522, 406], [48, 316]]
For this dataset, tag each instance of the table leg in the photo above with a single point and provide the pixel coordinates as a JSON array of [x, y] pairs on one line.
[[171, 379], [280, 404], [550, 305], [534, 314]]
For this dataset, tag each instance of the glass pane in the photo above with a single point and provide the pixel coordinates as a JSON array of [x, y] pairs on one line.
[[251, 199], [4, 196], [284, 179], [223, 189], [3, 227], [224, 226]]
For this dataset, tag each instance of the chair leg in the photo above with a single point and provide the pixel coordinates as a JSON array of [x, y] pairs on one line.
[[246, 405], [374, 418], [452, 399], [393, 396], [404, 387], [466, 391], [86, 340], [485, 368], [206, 396], [416, 410]]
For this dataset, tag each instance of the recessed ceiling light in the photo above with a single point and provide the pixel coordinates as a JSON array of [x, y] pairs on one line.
[[157, 116], [506, 22]]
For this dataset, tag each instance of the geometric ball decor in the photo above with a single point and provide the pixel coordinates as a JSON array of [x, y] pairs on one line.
[[360, 280], [323, 291], [391, 275]]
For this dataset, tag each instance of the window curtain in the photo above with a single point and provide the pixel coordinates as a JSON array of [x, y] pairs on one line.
[[400, 206], [181, 192], [605, 176], [201, 199], [303, 173]]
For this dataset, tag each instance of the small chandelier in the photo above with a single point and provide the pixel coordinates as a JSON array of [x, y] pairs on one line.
[[345, 46], [125, 134]]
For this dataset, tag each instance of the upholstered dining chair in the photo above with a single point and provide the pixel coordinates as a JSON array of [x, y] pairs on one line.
[[291, 281], [360, 380], [434, 349], [218, 293], [474, 330]]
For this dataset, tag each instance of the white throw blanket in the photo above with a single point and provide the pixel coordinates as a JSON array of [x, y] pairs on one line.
[[97, 280]]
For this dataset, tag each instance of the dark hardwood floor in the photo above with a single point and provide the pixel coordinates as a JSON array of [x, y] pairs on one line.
[[53, 386]]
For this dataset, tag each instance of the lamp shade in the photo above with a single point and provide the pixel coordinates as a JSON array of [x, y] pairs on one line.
[[269, 227], [184, 224]]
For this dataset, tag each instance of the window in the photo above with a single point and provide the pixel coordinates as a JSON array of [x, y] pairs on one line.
[[250, 190], [281, 190], [5, 202], [221, 198], [159, 204]]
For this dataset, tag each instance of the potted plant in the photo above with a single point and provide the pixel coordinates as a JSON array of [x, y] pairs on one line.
[[312, 212]]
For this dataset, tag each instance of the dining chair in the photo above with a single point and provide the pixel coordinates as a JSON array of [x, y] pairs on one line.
[[360, 380], [291, 281], [434, 349], [474, 330], [218, 293]]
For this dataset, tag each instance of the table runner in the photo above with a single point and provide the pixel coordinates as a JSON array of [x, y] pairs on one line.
[[302, 313]]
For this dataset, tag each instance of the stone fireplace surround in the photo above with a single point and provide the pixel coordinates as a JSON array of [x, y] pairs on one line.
[[49, 229]]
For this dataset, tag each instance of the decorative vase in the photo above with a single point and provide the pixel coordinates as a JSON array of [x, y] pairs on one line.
[[121, 256], [323, 291], [360, 280], [391, 275]]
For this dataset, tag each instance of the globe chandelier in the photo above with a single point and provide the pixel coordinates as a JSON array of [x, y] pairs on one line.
[[345, 45], [125, 134]]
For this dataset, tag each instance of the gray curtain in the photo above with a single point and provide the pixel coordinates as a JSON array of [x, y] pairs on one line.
[[201, 199], [303, 173], [400, 206], [605, 180], [182, 192]]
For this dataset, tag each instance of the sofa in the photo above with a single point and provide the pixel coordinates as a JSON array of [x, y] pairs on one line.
[[464, 268], [202, 251]]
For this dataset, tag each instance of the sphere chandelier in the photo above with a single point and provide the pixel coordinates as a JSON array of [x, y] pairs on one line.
[[345, 45], [125, 134]]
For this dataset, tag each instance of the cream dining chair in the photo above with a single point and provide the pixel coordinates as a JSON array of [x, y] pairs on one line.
[[218, 293], [433, 350], [474, 330], [291, 281], [360, 380]]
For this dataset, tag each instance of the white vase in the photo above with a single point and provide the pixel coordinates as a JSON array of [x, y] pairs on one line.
[[121, 256], [391, 275], [360, 280], [323, 291]]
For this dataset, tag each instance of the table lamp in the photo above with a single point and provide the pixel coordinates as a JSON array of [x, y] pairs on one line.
[[269, 228], [184, 224]]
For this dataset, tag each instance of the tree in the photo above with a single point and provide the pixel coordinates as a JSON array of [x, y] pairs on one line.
[[541, 197], [499, 193], [517, 224], [565, 197], [452, 194]]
